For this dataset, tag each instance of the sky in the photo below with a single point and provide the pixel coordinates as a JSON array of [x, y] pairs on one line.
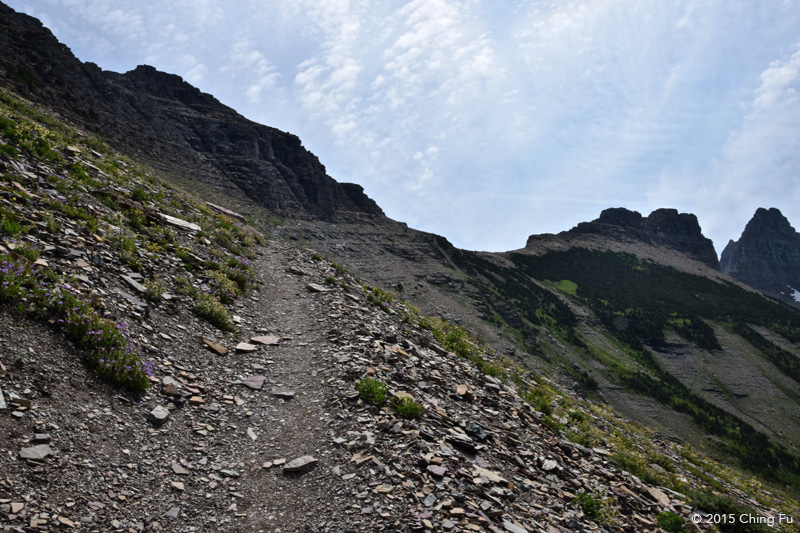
[[486, 121]]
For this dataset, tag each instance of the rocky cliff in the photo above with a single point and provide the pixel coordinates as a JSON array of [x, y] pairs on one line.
[[766, 256], [663, 227], [175, 127]]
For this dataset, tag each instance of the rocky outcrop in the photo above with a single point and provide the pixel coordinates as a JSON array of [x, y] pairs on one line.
[[664, 227], [177, 128], [766, 256]]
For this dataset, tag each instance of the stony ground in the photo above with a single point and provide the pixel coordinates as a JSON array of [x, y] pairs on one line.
[[478, 460]]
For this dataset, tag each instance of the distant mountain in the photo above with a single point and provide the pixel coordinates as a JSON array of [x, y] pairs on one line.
[[663, 227], [766, 256]]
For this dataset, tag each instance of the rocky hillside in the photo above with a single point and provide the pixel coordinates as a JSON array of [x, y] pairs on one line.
[[165, 368], [766, 256], [186, 134]]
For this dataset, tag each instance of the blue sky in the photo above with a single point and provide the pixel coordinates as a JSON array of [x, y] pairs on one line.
[[486, 121]]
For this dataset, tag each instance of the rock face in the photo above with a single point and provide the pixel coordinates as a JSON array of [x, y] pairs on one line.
[[176, 127], [665, 227], [766, 256]]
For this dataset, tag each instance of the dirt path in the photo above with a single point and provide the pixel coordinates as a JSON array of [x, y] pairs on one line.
[[290, 428]]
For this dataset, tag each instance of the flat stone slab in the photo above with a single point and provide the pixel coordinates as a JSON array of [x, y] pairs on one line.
[[254, 382], [269, 340], [316, 287], [226, 212], [138, 287], [216, 347], [285, 395], [38, 452], [513, 527], [180, 223], [300, 464], [2, 400], [246, 347], [180, 470], [297, 271]]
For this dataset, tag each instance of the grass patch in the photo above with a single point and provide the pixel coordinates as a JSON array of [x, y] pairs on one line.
[[372, 391]]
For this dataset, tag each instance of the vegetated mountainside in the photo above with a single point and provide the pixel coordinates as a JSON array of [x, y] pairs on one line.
[[614, 307], [166, 368], [766, 256]]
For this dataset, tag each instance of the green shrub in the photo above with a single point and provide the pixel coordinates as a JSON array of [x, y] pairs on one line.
[[372, 391], [9, 151], [154, 289], [540, 398], [11, 224], [671, 522], [139, 194], [588, 504], [408, 408], [210, 309]]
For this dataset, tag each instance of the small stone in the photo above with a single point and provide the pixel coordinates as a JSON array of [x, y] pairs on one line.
[[216, 347], [252, 434], [549, 465], [285, 395], [429, 500], [246, 347], [17, 507], [2, 400], [180, 470], [659, 496], [196, 400], [438, 471], [269, 340], [297, 271], [513, 527], [300, 464], [402, 395], [314, 287], [464, 392], [177, 485], [158, 416], [66, 521], [138, 287], [38, 452], [42, 438], [173, 513], [254, 382], [170, 390]]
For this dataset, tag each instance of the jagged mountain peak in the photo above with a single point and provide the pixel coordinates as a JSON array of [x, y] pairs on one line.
[[148, 79], [663, 227], [766, 256]]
